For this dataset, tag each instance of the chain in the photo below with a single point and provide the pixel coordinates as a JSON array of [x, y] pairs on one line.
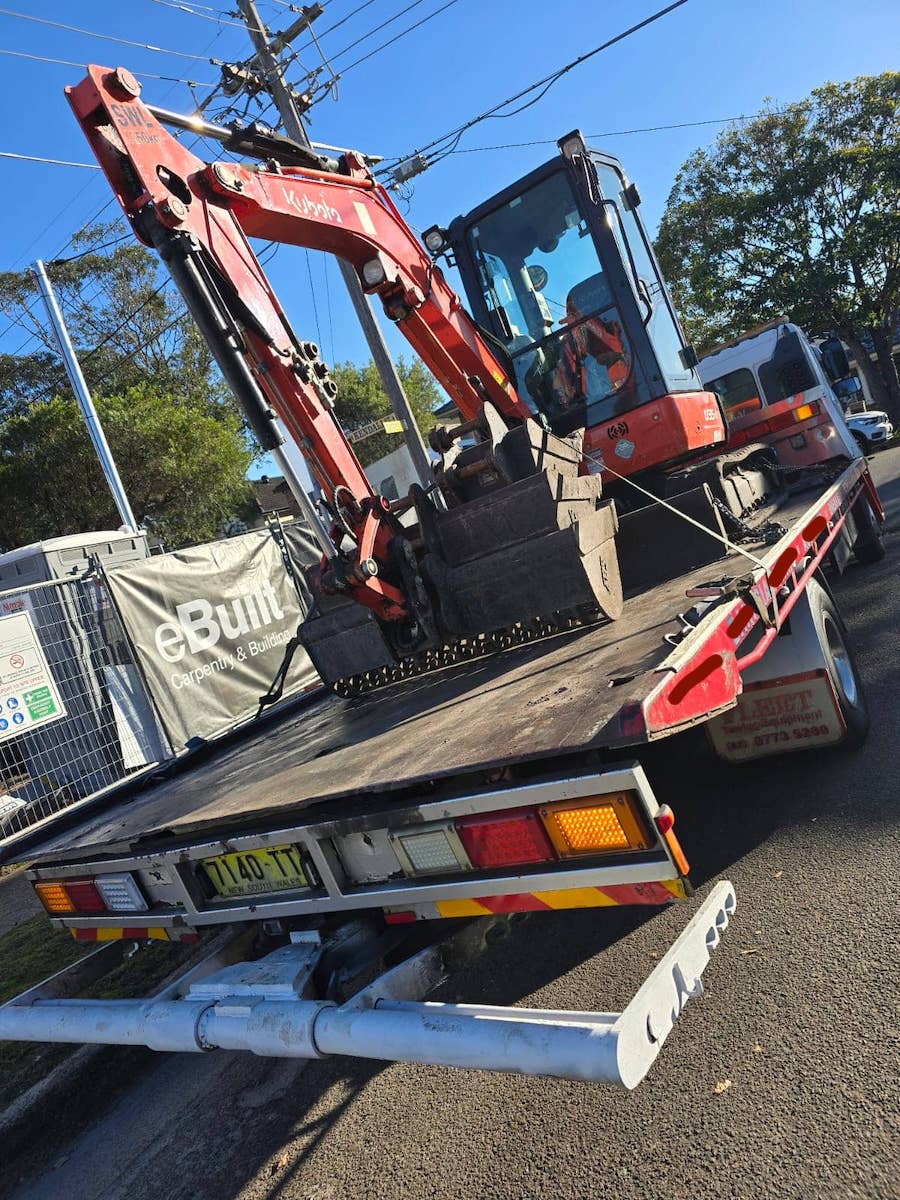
[[768, 534]]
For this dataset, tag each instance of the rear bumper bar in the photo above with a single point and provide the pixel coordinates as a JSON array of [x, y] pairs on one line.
[[259, 1007]]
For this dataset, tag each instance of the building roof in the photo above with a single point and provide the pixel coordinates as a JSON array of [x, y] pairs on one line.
[[273, 495]]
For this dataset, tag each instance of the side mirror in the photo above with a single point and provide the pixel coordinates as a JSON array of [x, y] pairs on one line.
[[834, 359]]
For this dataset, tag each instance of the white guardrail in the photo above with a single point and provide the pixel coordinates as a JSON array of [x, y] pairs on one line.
[[260, 1007]]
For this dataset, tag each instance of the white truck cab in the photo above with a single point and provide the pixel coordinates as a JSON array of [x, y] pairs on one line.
[[774, 388]]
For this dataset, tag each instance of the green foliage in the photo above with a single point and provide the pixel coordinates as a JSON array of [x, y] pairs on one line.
[[182, 467], [126, 327], [795, 212], [361, 399]]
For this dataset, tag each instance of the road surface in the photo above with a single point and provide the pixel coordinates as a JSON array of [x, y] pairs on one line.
[[782, 1082]]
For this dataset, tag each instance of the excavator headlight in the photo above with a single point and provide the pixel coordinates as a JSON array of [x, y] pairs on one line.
[[435, 239], [373, 273], [571, 144]]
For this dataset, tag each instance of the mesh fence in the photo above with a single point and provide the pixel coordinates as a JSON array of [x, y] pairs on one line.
[[108, 729]]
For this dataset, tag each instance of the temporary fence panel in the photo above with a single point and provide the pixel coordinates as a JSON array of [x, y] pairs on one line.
[[75, 716]]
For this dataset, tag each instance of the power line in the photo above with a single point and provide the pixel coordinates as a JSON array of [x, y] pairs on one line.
[[541, 86], [65, 62], [403, 32], [220, 19], [612, 133], [106, 37], [312, 43], [377, 28], [54, 162]]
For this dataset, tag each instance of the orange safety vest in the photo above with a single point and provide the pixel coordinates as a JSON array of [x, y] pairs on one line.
[[598, 339]]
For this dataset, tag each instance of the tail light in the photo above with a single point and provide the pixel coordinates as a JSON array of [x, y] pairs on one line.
[[80, 897], [596, 825], [54, 898], [665, 823], [121, 893], [70, 896], [505, 839]]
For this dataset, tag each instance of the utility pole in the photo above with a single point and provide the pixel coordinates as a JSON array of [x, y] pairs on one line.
[[293, 125], [83, 396]]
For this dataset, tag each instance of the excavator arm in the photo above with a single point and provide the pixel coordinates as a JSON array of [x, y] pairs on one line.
[[199, 216], [347, 214]]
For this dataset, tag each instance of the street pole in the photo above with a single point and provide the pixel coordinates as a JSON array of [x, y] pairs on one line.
[[293, 125], [83, 396]]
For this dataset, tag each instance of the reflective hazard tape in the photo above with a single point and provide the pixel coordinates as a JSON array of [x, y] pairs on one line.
[[138, 933], [662, 892]]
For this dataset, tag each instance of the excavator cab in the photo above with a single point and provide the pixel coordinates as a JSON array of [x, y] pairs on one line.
[[559, 269]]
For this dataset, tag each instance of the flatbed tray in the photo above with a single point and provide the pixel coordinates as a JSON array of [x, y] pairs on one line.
[[550, 699]]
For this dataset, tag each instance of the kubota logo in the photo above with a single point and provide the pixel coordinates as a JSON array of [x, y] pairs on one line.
[[308, 207], [199, 625]]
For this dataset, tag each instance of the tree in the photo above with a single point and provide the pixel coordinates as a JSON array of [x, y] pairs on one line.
[[361, 400], [126, 323], [796, 212], [182, 467]]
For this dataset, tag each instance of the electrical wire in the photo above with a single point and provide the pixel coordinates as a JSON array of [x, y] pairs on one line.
[[377, 29], [122, 324], [440, 147], [65, 62], [613, 133], [312, 292], [220, 19], [54, 162], [403, 32], [311, 44], [106, 37]]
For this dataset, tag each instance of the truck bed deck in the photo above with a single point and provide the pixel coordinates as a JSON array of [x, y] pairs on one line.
[[557, 697]]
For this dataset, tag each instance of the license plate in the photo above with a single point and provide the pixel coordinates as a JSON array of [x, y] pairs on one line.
[[254, 872]]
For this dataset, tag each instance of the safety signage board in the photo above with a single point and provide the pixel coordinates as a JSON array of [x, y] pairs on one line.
[[28, 694], [776, 715]]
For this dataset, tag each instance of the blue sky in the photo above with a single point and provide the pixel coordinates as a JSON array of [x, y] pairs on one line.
[[710, 59]]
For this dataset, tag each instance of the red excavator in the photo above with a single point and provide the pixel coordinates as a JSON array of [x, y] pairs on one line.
[[571, 373]]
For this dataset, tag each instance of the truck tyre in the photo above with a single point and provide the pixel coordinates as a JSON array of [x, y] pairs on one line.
[[840, 664], [869, 544]]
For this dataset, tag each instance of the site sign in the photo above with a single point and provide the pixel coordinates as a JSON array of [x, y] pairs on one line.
[[28, 694]]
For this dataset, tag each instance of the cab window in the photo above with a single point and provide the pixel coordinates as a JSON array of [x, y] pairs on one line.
[[738, 391], [551, 305]]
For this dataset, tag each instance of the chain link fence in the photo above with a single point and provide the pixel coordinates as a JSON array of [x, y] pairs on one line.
[[108, 729]]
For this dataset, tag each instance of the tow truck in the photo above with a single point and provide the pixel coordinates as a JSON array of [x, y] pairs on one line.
[[592, 568]]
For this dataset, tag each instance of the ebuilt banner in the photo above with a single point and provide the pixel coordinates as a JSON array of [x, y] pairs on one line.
[[211, 625]]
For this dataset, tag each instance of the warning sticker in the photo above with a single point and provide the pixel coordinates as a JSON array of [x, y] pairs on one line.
[[778, 715], [28, 695]]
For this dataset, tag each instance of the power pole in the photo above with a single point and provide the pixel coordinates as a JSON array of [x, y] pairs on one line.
[[286, 104], [83, 396]]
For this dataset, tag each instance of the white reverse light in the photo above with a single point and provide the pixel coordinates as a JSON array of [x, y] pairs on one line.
[[121, 893], [432, 852]]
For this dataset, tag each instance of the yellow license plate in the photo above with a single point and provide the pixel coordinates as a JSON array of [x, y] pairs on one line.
[[254, 872]]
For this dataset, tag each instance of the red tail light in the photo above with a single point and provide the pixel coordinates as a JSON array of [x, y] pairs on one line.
[[505, 839], [84, 895]]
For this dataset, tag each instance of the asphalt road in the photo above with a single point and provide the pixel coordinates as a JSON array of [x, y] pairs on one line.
[[782, 1082]]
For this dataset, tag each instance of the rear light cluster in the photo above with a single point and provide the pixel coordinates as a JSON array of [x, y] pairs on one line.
[[605, 824], [89, 897], [785, 420]]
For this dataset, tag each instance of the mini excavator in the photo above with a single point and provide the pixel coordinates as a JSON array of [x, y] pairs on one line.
[[571, 374]]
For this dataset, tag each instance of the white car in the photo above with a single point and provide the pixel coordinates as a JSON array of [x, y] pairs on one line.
[[870, 428]]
